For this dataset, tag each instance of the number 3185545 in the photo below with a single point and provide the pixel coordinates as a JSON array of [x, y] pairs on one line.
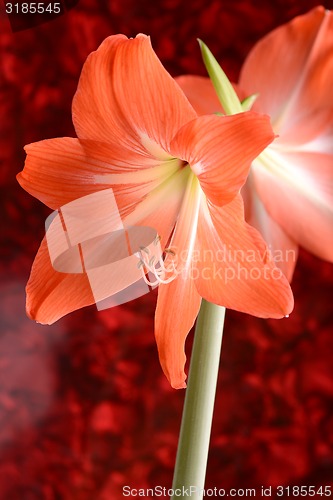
[[33, 8]]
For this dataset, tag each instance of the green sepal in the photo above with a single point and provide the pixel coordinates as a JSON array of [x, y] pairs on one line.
[[248, 102], [225, 91]]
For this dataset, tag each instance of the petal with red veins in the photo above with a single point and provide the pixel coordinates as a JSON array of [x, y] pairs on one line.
[[58, 171], [178, 302], [160, 208], [125, 95], [235, 269], [51, 295], [220, 150]]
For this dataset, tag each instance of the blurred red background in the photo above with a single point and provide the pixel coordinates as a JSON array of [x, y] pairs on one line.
[[84, 406]]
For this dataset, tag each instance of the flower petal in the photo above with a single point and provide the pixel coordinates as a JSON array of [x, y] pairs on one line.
[[58, 171], [305, 126], [282, 247], [125, 95], [178, 305], [178, 302], [220, 150], [160, 208], [200, 91], [297, 191], [51, 295], [235, 268], [301, 49], [323, 143]]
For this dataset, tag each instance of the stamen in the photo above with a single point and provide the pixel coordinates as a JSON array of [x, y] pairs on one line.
[[158, 269]]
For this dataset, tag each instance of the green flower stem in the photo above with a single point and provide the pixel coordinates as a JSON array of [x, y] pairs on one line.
[[193, 446]]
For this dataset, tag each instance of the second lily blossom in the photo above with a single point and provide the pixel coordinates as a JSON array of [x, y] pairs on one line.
[[289, 193]]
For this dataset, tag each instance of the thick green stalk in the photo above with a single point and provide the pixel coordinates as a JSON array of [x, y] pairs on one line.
[[193, 446]]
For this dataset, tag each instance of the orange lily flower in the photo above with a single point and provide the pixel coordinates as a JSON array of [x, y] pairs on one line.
[[169, 169], [288, 195]]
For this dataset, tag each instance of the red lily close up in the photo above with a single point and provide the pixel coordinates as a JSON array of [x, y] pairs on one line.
[[169, 169]]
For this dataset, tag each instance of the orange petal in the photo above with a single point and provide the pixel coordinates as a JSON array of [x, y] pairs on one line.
[[302, 50], [200, 91], [178, 302], [220, 151], [235, 269], [178, 305], [51, 295], [305, 126], [160, 208], [283, 248], [58, 171], [297, 191], [117, 82], [322, 143]]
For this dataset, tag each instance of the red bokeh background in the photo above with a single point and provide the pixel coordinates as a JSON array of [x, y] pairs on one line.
[[84, 406]]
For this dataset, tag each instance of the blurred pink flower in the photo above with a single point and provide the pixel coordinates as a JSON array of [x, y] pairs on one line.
[[289, 192]]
